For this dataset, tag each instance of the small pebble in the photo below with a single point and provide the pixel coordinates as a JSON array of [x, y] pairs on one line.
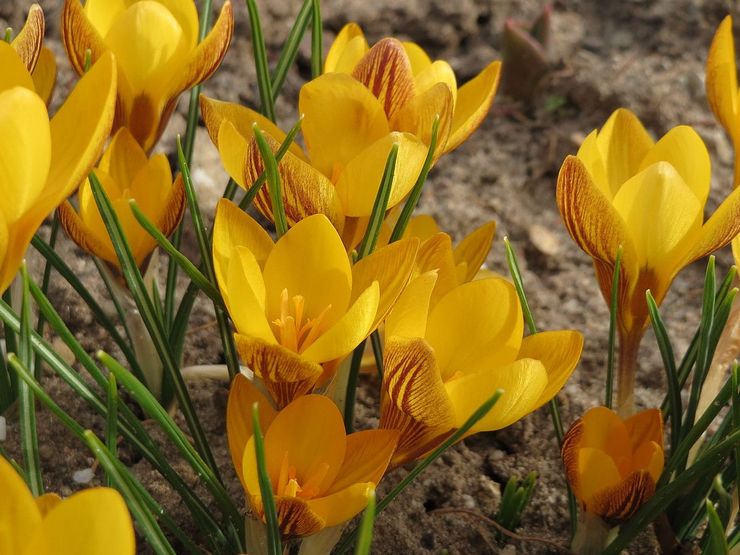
[[83, 476]]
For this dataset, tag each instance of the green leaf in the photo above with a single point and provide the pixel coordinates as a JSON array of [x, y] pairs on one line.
[[273, 182], [317, 35], [352, 379], [380, 205], [111, 422], [613, 309], [290, 48], [365, 539], [717, 541], [274, 544], [264, 83]]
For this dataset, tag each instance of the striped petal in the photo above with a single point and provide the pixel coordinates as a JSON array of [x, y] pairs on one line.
[[618, 503], [28, 42]]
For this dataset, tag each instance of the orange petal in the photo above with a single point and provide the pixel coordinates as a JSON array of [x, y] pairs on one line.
[[596, 473], [474, 249], [386, 71], [366, 459], [342, 505], [173, 208], [47, 502], [605, 431], [29, 40], [649, 456], [644, 427], [79, 35], [297, 518], [618, 503], [721, 228], [83, 236]]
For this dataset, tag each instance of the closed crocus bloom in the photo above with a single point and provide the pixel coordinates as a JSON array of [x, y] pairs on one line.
[[125, 174], [612, 464], [444, 358], [43, 161], [320, 476], [624, 190], [298, 305], [92, 522], [157, 51], [409, 86], [38, 59]]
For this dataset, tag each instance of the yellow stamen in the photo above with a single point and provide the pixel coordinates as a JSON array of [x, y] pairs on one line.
[[293, 333]]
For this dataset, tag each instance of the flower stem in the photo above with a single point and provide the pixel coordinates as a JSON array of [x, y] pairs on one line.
[[629, 347]]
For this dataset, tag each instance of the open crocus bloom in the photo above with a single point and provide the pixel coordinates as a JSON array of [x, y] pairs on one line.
[[613, 464], [157, 51], [92, 522], [623, 189], [43, 161], [320, 476], [409, 87], [444, 358], [38, 59], [724, 96], [298, 305], [125, 173]]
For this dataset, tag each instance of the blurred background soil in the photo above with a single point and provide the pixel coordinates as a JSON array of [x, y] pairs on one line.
[[644, 55]]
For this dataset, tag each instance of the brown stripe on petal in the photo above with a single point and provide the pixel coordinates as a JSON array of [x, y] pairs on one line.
[[569, 454], [296, 518], [285, 374], [29, 40], [78, 35], [617, 504], [174, 207], [386, 71], [76, 229]]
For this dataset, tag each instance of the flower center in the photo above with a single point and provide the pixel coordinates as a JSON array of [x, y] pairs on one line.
[[288, 485], [295, 331]]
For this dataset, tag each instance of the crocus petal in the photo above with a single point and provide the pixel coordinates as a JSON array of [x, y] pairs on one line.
[[620, 502], [84, 236], [474, 248], [721, 78], [559, 352], [242, 395], [45, 75], [436, 254], [90, 522], [358, 183], [14, 72], [285, 374], [47, 502], [721, 228], [736, 250], [354, 326], [422, 226], [605, 431], [18, 511], [366, 459], [523, 382], [408, 318], [417, 116], [124, 158], [418, 59], [649, 456], [436, 72], [173, 207], [341, 506], [347, 49], [391, 267], [596, 472], [341, 119], [644, 427], [386, 71], [483, 315], [590, 154], [28, 41], [474, 100], [245, 294], [79, 34]]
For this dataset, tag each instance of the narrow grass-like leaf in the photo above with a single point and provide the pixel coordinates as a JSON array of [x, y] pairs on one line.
[[8, 386], [105, 276], [345, 545], [380, 205], [408, 208], [111, 422], [352, 379], [365, 538], [273, 182], [274, 544], [669, 364], [147, 522], [231, 188], [735, 377], [284, 146], [26, 400], [46, 279], [378, 353], [717, 541], [290, 48], [264, 83], [613, 309], [317, 38]]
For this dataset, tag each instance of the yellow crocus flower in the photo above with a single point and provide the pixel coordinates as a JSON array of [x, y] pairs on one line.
[[157, 50], [320, 476], [126, 173], [624, 190], [38, 59], [444, 358], [410, 88], [612, 464], [92, 522], [724, 96], [298, 305], [42, 161]]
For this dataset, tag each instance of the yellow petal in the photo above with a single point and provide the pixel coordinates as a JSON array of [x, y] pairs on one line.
[[474, 100], [477, 326], [366, 459], [90, 522], [644, 427], [623, 143], [408, 318], [14, 73], [242, 395], [417, 57], [596, 473], [30, 38], [123, 159], [474, 249], [341, 119], [523, 382], [391, 267], [47, 502], [605, 431], [559, 352], [102, 13], [422, 226], [246, 296], [618, 503], [45, 75], [79, 34], [346, 50], [18, 512], [87, 238], [386, 71], [341, 506], [649, 456], [173, 207], [360, 180], [736, 250], [590, 154], [354, 326], [721, 228], [436, 73], [685, 151], [310, 260], [721, 78], [436, 254], [417, 116], [232, 148]]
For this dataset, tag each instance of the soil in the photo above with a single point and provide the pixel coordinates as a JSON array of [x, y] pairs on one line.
[[647, 56]]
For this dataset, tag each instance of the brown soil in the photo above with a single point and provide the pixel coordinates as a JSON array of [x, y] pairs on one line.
[[647, 56]]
